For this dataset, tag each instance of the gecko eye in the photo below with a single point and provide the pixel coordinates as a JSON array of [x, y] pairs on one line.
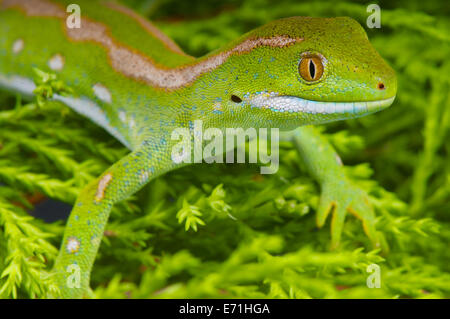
[[311, 67]]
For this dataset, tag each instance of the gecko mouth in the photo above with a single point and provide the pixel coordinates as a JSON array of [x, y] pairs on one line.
[[293, 104]]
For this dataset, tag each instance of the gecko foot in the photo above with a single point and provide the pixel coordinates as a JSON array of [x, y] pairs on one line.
[[339, 197]]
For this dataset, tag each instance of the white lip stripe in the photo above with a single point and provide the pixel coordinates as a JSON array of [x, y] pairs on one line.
[[331, 109], [340, 107], [295, 104]]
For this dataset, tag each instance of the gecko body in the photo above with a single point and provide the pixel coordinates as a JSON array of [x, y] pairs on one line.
[[136, 83]]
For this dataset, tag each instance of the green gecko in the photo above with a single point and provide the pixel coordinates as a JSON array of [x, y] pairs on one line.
[[137, 84]]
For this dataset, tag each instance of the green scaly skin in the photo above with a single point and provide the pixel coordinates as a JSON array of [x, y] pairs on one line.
[[142, 115]]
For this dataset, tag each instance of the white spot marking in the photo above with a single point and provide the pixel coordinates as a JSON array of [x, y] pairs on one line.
[[18, 46], [102, 186], [102, 93], [144, 177], [123, 116], [73, 245], [56, 62], [131, 123]]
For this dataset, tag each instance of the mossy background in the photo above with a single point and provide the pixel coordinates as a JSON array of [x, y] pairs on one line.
[[224, 231]]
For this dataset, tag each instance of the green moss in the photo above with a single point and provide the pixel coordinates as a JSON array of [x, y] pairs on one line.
[[226, 231]]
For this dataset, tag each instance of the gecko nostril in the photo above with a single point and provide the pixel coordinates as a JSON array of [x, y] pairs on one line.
[[380, 86]]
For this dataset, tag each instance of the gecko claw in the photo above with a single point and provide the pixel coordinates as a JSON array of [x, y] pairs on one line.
[[342, 198]]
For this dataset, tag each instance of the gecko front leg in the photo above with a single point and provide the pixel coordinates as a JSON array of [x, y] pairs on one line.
[[86, 224], [339, 195]]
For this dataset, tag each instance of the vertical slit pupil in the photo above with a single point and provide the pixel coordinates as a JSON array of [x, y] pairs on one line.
[[312, 69]]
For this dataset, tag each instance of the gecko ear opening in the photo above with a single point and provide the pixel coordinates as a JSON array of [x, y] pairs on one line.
[[236, 99]]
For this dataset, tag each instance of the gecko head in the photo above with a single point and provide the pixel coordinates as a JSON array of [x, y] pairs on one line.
[[303, 70]]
